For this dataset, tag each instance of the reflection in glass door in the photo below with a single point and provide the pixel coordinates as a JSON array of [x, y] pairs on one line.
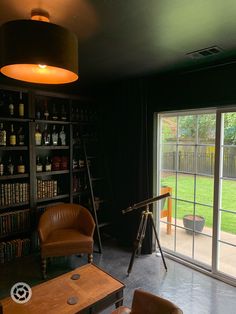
[[196, 161]]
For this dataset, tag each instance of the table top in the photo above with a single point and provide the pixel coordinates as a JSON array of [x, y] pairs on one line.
[[50, 297]]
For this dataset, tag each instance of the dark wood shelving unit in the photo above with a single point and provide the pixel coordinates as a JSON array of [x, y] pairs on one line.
[[35, 100]]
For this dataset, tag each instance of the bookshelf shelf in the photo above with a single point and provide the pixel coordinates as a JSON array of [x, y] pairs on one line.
[[51, 147], [52, 122], [58, 197], [10, 206], [14, 177], [14, 148], [51, 173]]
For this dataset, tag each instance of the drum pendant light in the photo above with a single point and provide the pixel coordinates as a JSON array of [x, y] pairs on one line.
[[37, 51]]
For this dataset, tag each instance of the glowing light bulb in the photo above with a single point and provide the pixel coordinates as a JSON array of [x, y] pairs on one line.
[[42, 66]]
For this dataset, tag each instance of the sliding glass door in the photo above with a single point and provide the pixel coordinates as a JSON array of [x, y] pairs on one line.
[[196, 162], [226, 209]]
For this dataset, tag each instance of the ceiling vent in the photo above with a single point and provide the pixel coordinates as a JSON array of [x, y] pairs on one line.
[[206, 52]]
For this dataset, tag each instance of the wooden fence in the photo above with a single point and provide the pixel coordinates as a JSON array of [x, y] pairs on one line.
[[203, 164]]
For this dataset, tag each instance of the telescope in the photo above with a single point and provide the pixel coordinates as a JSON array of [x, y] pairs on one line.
[[146, 214]]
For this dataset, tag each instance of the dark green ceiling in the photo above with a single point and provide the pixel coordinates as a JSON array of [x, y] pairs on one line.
[[119, 38]]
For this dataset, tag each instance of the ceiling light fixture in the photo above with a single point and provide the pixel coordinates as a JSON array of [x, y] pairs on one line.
[[37, 51]]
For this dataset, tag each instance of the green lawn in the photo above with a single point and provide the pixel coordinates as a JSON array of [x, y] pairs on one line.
[[204, 195]]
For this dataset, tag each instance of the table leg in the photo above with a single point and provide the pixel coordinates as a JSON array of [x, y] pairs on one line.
[[119, 297]]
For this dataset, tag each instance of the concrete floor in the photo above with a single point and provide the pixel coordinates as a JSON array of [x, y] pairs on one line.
[[202, 246], [193, 292]]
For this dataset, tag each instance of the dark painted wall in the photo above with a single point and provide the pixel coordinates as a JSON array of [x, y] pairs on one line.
[[121, 126], [203, 88]]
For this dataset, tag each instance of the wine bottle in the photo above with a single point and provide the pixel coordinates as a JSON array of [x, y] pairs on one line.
[[21, 137], [54, 112], [39, 166], [12, 136], [62, 136], [63, 113], [46, 112], [10, 166], [11, 107], [48, 164], [1, 167], [38, 112], [38, 136], [3, 136], [46, 136], [21, 166], [54, 136], [21, 107]]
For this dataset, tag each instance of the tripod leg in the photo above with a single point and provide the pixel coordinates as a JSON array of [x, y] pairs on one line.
[[138, 240], [158, 242]]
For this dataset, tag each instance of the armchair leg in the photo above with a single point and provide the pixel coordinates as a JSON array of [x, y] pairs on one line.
[[90, 258], [43, 267]]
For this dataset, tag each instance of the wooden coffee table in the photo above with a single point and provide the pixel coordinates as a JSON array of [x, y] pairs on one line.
[[95, 290]]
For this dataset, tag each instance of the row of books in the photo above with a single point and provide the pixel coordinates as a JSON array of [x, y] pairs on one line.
[[13, 222], [14, 193], [46, 188], [12, 249]]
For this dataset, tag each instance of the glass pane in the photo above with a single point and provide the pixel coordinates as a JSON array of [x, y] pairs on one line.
[[167, 211], [187, 129], [228, 197], [168, 179], [204, 190], [185, 187], [206, 128], [184, 242], [186, 158], [229, 162], [228, 227], [202, 248], [168, 157], [169, 129], [205, 160], [229, 128], [166, 239], [183, 209], [227, 259], [206, 213]]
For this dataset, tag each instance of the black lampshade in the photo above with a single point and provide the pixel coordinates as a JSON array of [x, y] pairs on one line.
[[38, 52]]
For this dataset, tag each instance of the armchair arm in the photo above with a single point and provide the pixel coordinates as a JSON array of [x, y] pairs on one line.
[[86, 222], [44, 227]]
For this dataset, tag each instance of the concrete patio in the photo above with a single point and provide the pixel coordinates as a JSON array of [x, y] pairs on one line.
[[202, 246]]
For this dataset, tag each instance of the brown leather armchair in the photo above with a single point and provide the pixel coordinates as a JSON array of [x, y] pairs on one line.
[[145, 302], [65, 229]]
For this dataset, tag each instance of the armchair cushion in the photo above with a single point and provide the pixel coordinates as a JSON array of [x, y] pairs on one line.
[[66, 242]]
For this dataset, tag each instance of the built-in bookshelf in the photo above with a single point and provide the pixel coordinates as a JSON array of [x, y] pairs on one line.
[[43, 164]]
